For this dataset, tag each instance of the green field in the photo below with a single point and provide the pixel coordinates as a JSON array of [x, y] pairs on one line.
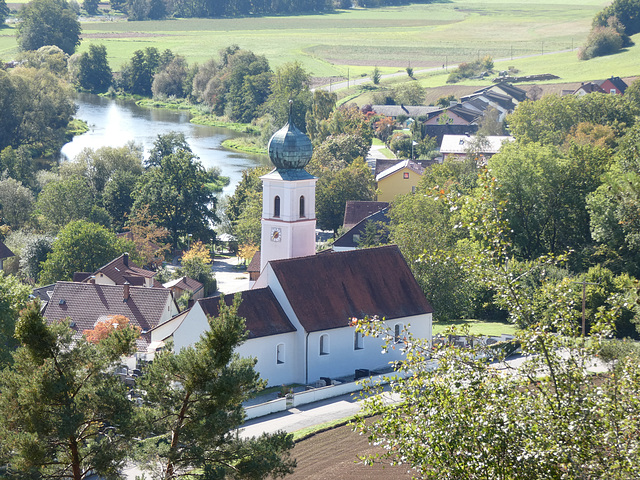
[[353, 41], [477, 327]]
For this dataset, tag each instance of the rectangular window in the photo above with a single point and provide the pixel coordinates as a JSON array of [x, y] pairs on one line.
[[405, 175], [280, 353], [397, 332], [358, 341], [324, 344]]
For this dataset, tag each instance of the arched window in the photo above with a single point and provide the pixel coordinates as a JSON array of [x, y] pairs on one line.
[[324, 344], [276, 206], [302, 215], [280, 353]]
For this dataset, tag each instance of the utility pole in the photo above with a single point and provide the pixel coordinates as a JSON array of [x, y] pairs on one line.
[[584, 304], [347, 78]]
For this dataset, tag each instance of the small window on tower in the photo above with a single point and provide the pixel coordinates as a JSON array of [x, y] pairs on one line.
[[302, 215], [276, 206]]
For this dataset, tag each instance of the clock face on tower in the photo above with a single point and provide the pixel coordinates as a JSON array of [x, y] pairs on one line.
[[276, 234]]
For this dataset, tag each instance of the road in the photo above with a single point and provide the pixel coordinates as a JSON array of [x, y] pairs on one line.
[[362, 80]]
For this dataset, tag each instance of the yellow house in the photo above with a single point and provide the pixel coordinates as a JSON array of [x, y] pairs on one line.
[[399, 179]]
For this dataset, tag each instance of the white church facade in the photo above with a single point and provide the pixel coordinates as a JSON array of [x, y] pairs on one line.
[[298, 312]]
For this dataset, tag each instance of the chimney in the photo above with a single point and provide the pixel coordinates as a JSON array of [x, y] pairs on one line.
[[125, 259], [190, 302], [125, 291]]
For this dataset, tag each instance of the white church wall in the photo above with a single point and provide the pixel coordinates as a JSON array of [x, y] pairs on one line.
[[276, 355], [343, 358]]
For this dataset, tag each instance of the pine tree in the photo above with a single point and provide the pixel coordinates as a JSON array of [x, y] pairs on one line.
[[61, 414], [195, 396]]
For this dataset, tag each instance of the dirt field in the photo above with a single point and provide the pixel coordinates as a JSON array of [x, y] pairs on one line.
[[331, 455]]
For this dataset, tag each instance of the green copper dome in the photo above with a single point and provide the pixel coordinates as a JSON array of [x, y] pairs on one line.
[[289, 148]]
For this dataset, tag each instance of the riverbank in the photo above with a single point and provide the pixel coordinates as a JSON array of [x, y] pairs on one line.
[[249, 144]]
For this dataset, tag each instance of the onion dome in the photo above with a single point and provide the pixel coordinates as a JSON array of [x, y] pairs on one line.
[[289, 148]]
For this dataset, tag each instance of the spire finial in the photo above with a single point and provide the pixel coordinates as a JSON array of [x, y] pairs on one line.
[[290, 110]]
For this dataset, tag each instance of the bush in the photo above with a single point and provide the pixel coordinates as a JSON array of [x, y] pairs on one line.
[[601, 41], [471, 69]]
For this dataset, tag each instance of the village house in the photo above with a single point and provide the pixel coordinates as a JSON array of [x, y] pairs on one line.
[[401, 178], [350, 240], [119, 271], [460, 146], [612, 85], [357, 210], [5, 254], [86, 304]]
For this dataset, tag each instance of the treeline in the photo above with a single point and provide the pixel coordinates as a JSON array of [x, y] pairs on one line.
[[159, 9]]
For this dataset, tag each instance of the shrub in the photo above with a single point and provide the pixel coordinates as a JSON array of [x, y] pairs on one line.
[[601, 41]]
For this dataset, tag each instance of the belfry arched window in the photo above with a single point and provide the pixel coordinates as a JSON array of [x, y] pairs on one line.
[[302, 215], [276, 206]]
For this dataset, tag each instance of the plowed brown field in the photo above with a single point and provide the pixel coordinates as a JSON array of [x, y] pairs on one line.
[[332, 455]]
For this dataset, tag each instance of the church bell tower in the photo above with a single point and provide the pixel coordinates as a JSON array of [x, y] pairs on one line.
[[289, 198]]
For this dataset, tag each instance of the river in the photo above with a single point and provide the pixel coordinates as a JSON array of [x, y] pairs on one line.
[[115, 122]]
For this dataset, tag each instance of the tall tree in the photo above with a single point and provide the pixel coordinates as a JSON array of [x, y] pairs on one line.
[[37, 108], [94, 72], [48, 22], [177, 194], [334, 188], [290, 83], [200, 416], [63, 415], [14, 296], [16, 203], [81, 247], [65, 200]]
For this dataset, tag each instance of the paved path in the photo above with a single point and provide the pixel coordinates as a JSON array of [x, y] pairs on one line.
[[230, 279], [306, 416]]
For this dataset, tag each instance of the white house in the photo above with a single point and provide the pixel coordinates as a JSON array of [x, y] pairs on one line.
[[298, 312]]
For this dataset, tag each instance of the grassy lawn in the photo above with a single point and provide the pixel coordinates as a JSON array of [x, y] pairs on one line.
[[478, 327]]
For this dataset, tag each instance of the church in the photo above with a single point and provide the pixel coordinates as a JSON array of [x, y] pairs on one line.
[[298, 311]]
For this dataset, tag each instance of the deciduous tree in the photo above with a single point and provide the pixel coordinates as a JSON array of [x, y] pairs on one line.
[[48, 22], [94, 72], [334, 188], [14, 296], [177, 194], [81, 247]]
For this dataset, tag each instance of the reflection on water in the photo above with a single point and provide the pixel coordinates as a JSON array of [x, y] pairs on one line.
[[116, 122]]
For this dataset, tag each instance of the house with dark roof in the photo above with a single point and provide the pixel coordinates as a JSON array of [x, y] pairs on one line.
[[181, 285], [86, 304], [299, 311], [612, 85], [350, 240], [517, 94], [457, 114], [5, 253], [119, 271], [357, 210]]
